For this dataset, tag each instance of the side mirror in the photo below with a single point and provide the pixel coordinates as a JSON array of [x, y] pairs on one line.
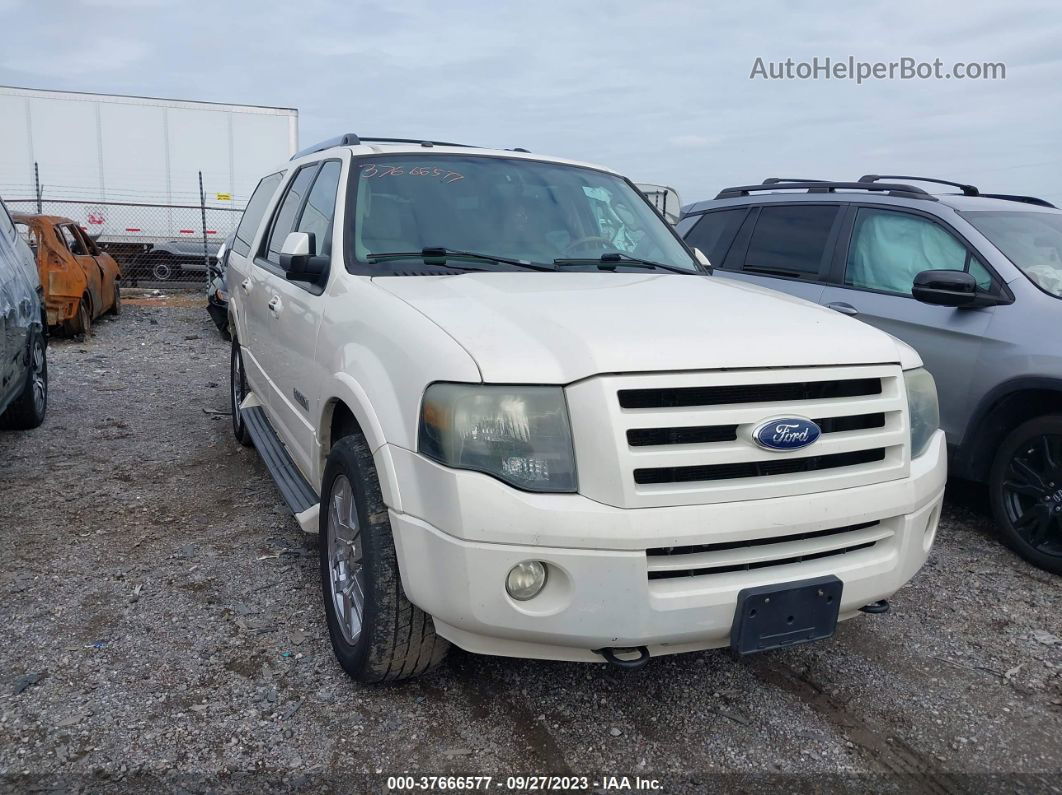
[[701, 258], [948, 288], [298, 258]]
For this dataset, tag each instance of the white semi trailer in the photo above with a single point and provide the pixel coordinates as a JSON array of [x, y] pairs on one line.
[[127, 168]]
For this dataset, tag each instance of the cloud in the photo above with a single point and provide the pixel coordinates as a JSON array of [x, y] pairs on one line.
[[693, 141], [81, 58], [659, 91]]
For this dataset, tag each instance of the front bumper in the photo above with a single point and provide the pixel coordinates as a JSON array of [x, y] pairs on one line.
[[457, 534]]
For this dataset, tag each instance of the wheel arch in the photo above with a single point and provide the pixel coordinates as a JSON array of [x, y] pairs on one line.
[[998, 413], [347, 409]]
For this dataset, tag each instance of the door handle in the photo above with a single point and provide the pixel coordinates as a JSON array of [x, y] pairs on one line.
[[843, 308], [246, 285], [275, 305]]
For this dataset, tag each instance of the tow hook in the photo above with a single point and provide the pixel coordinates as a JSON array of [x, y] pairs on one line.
[[610, 655], [876, 608]]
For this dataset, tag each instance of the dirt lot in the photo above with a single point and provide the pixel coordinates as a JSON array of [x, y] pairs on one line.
[[161, 613]]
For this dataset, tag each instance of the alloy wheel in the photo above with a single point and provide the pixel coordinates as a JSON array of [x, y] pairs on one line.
[[347, 575], [39, 376], [1032, 493], [237, 388]]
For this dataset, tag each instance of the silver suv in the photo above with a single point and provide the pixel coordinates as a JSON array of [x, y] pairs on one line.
[[972, 281]]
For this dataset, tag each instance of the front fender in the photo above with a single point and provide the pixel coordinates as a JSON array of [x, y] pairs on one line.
[[346, 390]]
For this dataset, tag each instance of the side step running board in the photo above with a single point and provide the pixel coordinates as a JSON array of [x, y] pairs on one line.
[[297, 493]]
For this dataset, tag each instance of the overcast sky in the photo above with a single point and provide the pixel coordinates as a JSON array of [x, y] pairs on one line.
[[660, 91]]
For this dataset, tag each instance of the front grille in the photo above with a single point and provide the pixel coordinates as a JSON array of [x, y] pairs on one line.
[[760, 553], [647, 437], [646, 440], [752, 469], [682, 397]]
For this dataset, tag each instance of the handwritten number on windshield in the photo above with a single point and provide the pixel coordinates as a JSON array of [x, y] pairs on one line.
[[371, 170]]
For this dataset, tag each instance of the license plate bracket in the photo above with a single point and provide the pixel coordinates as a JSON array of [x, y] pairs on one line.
[[785, 614]]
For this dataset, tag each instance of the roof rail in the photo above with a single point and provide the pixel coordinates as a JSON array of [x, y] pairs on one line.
[[1023, 199], [421, 141], [776, 180], [967, 190], [348, 139], [893, 189]]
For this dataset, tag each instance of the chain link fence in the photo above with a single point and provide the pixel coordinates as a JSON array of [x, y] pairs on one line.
[[155, 244]]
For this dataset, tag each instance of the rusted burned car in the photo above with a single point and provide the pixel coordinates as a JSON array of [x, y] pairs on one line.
[[80, 282]]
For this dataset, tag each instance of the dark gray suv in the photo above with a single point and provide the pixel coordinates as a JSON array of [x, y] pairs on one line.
[[23, 366], [972, 281]]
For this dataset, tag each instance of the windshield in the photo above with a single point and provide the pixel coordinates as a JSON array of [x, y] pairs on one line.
[[521, 210], [1031, 240]]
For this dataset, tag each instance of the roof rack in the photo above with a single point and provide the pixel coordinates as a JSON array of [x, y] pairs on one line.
[[348, 139], [820, 186], [1023, 199], [776, 180], [967, 190], [420, 141]]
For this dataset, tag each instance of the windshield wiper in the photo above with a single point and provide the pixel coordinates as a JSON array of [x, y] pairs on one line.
[[443, 254], [609, 260]]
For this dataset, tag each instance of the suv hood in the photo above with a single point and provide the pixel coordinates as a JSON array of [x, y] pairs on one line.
[[556, 328]]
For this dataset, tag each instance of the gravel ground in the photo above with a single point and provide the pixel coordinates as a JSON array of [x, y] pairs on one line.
[[162, 615]]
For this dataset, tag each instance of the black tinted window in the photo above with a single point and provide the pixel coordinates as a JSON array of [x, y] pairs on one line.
[[252, 214], [285, 219], [714, 233], [790, 240]]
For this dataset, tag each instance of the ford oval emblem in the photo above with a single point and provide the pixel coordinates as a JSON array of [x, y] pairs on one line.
[[786, 433]]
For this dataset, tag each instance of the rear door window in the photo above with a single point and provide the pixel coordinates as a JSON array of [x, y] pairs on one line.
[[87, 243], [714, 233], [72, 241], [253, 213], [792, 241]]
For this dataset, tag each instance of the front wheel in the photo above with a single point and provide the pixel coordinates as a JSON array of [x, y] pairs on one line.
[[377, 634], [1026, 492], [237, 393]]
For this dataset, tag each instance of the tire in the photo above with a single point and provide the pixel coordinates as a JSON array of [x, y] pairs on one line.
[[393, 639], [116, 305], [81, 323], [1026, 491], [30, 406], [237, 392], [164, 268]]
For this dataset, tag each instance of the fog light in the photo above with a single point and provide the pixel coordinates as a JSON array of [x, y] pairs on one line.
[[525, 580]]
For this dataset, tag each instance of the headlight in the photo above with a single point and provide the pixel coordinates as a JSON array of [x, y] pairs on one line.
[[519, 434], [922, 403]]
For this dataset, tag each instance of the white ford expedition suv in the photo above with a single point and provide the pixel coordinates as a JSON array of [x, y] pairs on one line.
[[525, 419]]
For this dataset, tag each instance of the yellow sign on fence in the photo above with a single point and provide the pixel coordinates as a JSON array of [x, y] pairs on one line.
[[224, 197]]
